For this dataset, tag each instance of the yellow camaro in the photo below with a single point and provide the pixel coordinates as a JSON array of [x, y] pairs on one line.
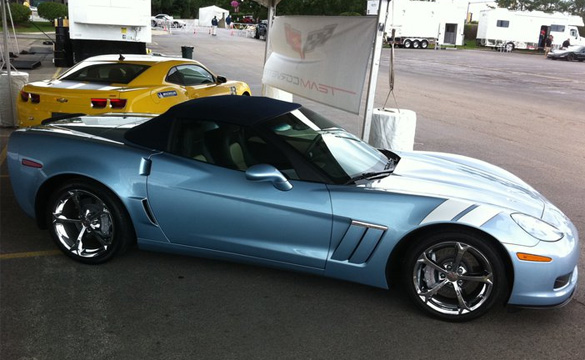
[[122, 83]]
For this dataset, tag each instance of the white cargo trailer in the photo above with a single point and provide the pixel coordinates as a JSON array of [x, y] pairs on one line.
[[99, 27], [420, 23], [503, 28]]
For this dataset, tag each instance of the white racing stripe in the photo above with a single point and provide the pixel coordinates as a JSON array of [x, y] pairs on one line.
[[479, 216], [448, 210], [451, 209], [75, 86]]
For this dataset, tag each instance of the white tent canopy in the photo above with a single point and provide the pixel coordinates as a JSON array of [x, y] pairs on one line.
[[206, 14]]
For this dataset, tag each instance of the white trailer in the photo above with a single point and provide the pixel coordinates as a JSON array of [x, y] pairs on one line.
[[99, 27], [503, 28], [420, 23]]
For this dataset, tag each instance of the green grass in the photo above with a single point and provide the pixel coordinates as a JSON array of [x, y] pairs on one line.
[[30, 27], [469, 44]]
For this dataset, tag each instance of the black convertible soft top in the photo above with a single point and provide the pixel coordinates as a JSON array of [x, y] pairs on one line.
[[237, 110]]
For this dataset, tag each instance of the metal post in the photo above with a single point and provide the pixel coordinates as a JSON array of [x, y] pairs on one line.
[[374, 69], [7, 62]]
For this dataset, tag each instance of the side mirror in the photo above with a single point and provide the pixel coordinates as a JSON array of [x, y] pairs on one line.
[[264, 172], [221, 79]]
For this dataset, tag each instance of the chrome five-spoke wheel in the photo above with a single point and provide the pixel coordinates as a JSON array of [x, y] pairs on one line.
[[454, 276], [87, 222]]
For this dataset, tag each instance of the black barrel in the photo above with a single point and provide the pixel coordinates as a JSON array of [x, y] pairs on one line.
[[187, 52], [62, 54]]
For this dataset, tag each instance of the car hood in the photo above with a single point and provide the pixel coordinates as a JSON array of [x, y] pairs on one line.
[[570, 49], [452, 176]]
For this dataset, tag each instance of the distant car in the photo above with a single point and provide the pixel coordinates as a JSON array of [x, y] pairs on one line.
[[574, 52], [122, 83], [261, 30], [161, 19], [273, 183]]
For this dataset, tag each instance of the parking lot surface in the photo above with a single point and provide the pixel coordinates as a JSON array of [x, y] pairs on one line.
[[518, 111]]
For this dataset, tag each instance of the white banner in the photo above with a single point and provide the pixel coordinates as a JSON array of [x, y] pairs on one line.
[[322, 58]]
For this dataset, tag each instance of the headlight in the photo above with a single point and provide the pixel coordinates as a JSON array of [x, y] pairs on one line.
[[537, 228]]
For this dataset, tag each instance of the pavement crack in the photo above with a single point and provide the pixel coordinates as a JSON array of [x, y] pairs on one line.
[[579, 302]]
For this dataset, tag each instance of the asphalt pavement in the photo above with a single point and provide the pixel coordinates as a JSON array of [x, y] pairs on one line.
[[518, 111]]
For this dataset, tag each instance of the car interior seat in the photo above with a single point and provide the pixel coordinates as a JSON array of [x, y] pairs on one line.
[[228, 148], [190, 143], [176, 78], [116, 75]]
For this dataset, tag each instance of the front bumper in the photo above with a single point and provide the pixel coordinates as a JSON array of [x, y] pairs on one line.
[[540, 284]]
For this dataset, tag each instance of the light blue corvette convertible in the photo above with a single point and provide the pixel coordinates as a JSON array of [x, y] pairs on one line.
[[258, 180]]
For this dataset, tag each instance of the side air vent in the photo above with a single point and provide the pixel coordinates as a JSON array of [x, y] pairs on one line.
[[148, 212], [359, 242]]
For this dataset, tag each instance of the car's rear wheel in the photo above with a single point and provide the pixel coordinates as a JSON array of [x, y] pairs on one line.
[[454, 276], [570, 57], [88, 222]]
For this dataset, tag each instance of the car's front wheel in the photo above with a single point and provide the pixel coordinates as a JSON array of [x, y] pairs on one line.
[[88, 222], [454, 276]]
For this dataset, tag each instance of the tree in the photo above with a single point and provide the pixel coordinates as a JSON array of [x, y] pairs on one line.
[[190, 8], [321, 7], [542, 5], [52, 11], [573, 7], [20, 13]]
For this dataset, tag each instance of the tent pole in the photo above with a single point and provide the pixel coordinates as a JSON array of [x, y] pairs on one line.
[[374, 69], [7, 61], [271, 15]]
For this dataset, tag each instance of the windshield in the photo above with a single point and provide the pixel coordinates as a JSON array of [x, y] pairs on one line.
[[341, 155]]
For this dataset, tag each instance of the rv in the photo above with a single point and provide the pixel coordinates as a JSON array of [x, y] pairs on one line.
[[417, 24], [509, 30]]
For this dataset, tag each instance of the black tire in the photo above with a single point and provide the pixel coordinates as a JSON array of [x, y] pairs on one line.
[[416, 44], [88, 222], [152, 23], [433, 278], [509, 47], [407, 44], [424, 44], [570, 57]]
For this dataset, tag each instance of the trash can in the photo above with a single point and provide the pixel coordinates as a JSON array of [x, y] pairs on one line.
[[187, 52]]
